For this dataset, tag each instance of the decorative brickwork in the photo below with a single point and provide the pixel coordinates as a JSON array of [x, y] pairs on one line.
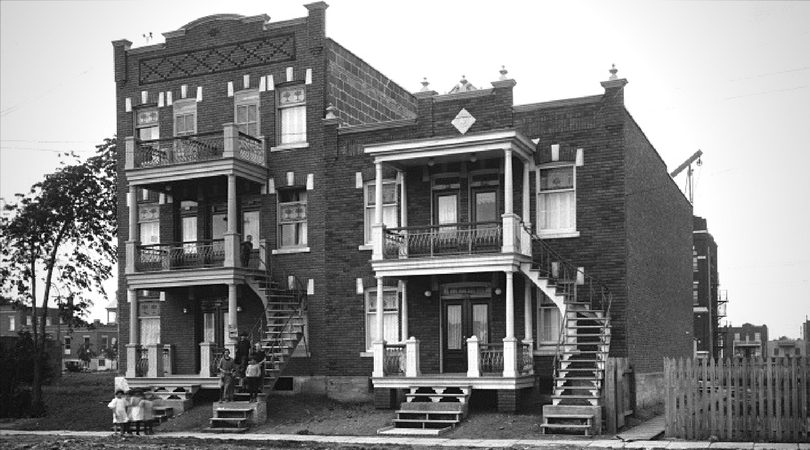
[[239, 55]]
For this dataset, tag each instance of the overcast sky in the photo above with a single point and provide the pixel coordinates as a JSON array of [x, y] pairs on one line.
[[729, 78]]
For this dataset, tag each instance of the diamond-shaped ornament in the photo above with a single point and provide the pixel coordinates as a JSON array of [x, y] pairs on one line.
[[463, 121]]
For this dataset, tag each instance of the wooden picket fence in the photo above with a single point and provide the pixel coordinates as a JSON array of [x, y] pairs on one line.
[[738, 399], [619, 393]]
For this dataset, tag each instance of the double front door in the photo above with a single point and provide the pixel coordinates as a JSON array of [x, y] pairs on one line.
[[465, 313]]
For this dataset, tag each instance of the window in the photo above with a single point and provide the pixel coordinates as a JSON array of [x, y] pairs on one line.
[[776, 352], [149, 224], [695, 292], [390, 213], [48, 321], [104, 342], [12, 323], [67, 345], [549, 322], [247, 112], [757, 336], [556, 206], [292, 218], [292, 113], [390, 315], [185, 117], [87, 341], [737, 337], [29, 320], [250, 227], [694, 260], [146, 124]]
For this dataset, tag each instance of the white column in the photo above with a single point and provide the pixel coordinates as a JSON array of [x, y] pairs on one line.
[[525, 214], [380, 325], [509, 342], [233, 330], [508, 194], [134, 328], [378, 346], [231, 236], [377, 226], [134, 235], [403, 288], [473, 361], [403, 200], [528, 313]]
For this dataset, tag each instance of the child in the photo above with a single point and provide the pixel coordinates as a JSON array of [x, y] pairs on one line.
[[148, 417], [136, 412], [253, 375], [118, 405], [226, 371]]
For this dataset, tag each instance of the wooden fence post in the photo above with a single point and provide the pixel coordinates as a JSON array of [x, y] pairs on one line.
[[610, 395]]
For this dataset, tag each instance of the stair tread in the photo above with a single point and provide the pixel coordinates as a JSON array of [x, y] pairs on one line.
[[426, 421], [568, 416], [565, 425]]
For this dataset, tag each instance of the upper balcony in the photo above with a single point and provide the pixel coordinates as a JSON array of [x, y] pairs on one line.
[[226, 152]]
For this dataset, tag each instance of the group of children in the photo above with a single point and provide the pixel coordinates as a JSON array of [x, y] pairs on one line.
[[132, 411], [247, 366]]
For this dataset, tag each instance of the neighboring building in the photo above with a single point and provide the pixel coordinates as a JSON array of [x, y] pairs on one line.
[[398, 215], [784, 347], [100, 338], [746, 341], [805, 332], [708, 302]]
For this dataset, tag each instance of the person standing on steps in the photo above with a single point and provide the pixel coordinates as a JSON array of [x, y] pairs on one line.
[[245, 248], [253, 376], [242, 354], [226, 370]]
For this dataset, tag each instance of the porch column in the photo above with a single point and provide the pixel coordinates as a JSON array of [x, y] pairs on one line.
[[508, 193], [473, 361], [510, 222], [528, 314], [232, 330], [134, 235], [377, 226], [509, 342], [134, 328], [403, 288], [525, 212], [379, 343], [231, 236], [403, 199]]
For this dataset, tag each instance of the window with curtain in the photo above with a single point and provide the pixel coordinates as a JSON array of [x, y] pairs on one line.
[[390, 315], [149, 224], [292, 113], [246, 112], [292, 218], [549, 322], [556, 209], [390, 212], [185, 117], [146, 124]]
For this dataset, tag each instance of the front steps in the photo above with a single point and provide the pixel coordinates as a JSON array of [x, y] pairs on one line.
[[565, 419], [430, 411], [237, 416]]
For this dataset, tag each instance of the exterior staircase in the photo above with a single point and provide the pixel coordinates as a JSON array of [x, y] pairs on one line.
[[584, 343], [280, 330], [430, 410]]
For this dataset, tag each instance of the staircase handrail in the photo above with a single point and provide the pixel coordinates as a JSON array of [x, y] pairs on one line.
[[606, 297]]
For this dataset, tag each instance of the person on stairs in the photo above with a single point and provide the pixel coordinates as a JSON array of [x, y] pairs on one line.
[[242, 356], [226, 370], [253, 377]]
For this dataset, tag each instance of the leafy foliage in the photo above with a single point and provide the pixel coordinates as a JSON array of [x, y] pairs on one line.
[[61, 236]]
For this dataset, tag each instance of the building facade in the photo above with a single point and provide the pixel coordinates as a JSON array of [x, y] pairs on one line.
[[397, 239], [784, 347], [708, 301], [745, 341]]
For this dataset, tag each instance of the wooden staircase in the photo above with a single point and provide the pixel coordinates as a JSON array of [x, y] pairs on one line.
[[584, 342], [280, 330], [430, 411]]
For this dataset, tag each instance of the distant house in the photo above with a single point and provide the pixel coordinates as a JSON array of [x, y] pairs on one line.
[[709, 302], [784, 347], [745, 341]]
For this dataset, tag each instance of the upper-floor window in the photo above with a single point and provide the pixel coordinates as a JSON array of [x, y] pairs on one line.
[[12, 323], [185, 117], [549, 322], [390, 213], [757, 336], [390, 315], [292, 113], [292, 217], [67, 345], [556, 207], [695, 292], [146, 124], [246, 114], [736, 336], [149, 224], [29, 320], [694, 260], [48, 321]]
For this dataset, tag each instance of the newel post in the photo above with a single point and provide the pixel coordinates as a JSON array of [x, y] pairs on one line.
[[205, 359], [155, 355], [378, 349]]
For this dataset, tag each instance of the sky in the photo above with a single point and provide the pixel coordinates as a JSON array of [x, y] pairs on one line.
[[729, 78]]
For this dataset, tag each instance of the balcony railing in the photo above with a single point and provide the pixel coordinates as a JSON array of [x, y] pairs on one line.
[[195, 148], [491, 357], [395, 359], [184, 255], [142, 363], [443, 240]]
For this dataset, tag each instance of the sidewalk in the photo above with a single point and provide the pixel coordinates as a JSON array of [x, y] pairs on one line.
[[446, 442]]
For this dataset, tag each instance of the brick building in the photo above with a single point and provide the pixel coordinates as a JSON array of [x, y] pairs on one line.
[[98, 337], [399, 240], [708, 302], [745, 341]]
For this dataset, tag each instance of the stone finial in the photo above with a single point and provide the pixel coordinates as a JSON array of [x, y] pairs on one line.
[[503, 73], [613, 71], [463, 81], [330, 112], [425, 84]]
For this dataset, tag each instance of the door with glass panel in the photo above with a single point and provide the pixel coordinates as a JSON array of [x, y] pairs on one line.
[[486, 230], [464, 316], [445, 214]]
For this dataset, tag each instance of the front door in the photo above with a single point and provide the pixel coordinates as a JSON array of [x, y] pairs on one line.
[[465, 313]]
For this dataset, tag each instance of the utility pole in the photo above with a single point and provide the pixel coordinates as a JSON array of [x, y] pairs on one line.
[[688, 166]]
